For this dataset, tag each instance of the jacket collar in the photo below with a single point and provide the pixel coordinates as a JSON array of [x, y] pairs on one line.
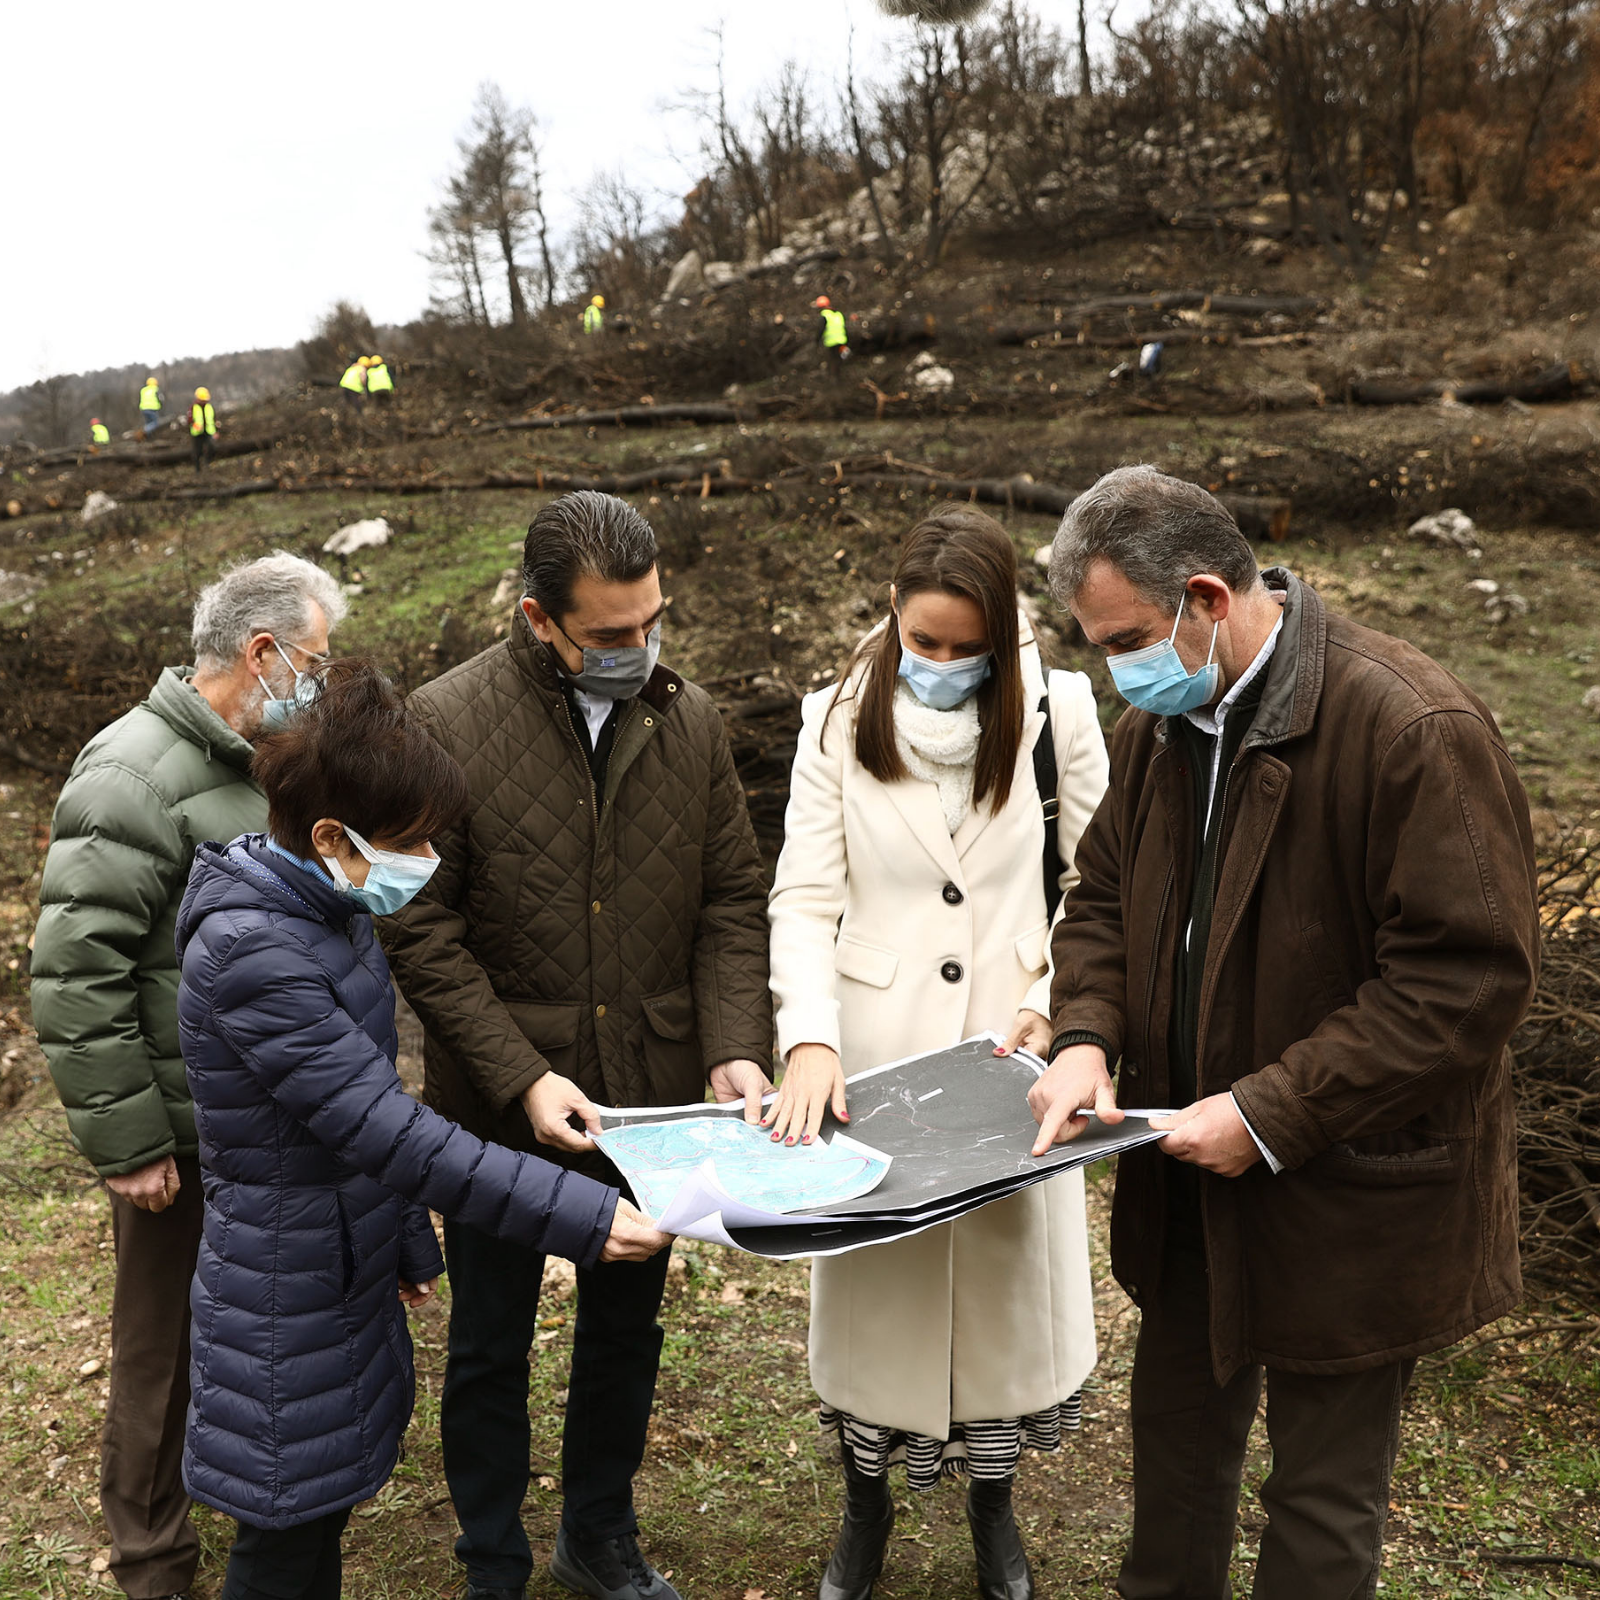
[[662, 689], [308, 890], [1293, 689], [188, 713]]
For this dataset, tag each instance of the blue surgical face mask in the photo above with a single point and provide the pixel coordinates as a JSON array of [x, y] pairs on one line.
[[1155, 679], [393, 877], [275, 713], [943, 685]]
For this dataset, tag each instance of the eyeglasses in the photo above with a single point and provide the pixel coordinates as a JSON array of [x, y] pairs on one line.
[[316, 658]]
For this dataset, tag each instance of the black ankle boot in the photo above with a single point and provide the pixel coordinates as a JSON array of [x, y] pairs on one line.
[[857, 1557], [1003, 1572]]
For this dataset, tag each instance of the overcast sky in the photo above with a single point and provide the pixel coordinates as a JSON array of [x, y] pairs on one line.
[[183, 180]]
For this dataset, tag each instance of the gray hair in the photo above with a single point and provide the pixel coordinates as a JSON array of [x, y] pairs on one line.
[[584, 535], [1157, 531], [273, 594]]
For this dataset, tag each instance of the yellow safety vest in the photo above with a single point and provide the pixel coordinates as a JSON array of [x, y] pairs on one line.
[[593, 319], [378, 379], [100, 433], [202, 418], [150, 398], [354, 377], [833, 330]]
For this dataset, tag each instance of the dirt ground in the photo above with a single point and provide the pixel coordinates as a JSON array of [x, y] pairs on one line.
[[768, 590]]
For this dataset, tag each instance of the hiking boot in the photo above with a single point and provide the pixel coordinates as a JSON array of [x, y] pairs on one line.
[[612, 1569]]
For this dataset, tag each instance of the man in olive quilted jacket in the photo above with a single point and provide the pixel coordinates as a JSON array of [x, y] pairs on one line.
[[595, 934], [142, 795]]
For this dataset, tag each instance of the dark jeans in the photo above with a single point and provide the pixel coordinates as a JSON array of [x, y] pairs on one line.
[[1334, 1440], [204, 446], [154, 1548], [299, 1563], [483, 1414]]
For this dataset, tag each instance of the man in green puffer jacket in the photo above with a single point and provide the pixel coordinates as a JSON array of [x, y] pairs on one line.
[[142, 795]]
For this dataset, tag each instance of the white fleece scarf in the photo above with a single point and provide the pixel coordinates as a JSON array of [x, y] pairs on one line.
[[939, 747]]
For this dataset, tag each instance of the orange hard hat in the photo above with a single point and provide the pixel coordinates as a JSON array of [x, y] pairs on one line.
[[94, 419], [821, 303]]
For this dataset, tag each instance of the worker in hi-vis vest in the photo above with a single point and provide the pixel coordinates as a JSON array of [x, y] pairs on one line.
[[354, 384], [594, 314], [203, 427], [835, 340], [99, 432], [150, 405], [379, 382]]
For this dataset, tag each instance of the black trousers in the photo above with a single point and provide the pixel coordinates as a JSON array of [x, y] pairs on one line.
[[299, 1563], [483, 1413], [204, 446], [1334, 1441]]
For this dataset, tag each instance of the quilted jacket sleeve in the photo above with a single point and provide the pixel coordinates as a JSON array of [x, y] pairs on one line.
[[446, 985], [729, 969], [420, 1259], [275, 1008], [1088, 992], [116, 860]]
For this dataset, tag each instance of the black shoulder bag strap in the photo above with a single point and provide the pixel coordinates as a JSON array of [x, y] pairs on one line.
[[1044, 773]]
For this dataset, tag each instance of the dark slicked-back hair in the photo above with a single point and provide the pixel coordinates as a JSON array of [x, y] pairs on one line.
[[355, 754], [584, 535]]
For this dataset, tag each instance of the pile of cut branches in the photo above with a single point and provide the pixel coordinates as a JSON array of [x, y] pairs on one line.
[[1558, 1081]]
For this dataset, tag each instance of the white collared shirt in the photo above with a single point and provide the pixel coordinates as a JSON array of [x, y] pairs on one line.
[[595, 712], [1209, 720]]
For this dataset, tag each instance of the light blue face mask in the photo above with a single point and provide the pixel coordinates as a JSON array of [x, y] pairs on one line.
[[1155, 679], [275, 714], [393, 878], [943, 685]]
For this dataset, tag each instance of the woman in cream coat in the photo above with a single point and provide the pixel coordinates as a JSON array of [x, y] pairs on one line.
[[909, 913]]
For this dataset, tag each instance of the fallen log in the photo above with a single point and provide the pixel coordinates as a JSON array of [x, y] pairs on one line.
[[1247, 305], [622, 417], [1559, 381], [1259, 517]]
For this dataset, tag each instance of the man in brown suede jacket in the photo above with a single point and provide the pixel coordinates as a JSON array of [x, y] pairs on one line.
[[596, 933], [1307, 919]]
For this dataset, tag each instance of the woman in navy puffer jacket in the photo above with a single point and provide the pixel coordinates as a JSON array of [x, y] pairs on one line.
[[318, 1167]]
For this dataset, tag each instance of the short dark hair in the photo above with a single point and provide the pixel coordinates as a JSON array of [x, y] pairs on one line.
[[584, 535], [354, 753], [1157, 531]]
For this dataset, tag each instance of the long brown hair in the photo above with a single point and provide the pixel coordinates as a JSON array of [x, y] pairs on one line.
[[957, 550]]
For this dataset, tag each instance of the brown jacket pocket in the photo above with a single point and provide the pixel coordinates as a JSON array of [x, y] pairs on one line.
[[672, 1047]]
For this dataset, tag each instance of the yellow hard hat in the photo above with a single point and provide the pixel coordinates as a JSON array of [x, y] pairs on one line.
[[374, 361], [598, 300], [152, 379], [363, 361], [202, 394], [822, 302]]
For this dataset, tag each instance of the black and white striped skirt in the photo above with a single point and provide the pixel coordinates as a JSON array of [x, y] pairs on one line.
[[988, 1451]]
